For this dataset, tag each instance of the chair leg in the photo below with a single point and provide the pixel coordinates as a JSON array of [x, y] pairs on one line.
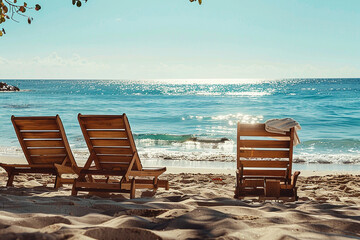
[[237, 186], [57, 182], [237, 190], [10, 179], [73, 190], [295, 194], [155, 182], [132, 193]]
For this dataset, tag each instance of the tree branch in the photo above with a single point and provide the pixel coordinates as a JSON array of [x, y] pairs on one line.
[[10, 7]]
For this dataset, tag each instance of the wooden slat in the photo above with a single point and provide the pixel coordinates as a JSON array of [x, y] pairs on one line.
[[107, 134], [116, 166], [103, 172], [35, 118], [272, 188], [144, 185], [113, 158], [46, 151], [154, 172], [26, 165], [247, 132], [253, 183], [43, 135], [35, 170], [104, 150], [253, 127], [103, 123], [264, 154], [264, 163], [264, 144], [47, 159], [257, 130], [110, 142], [44, 143], [101, 186], [38, 124], [264, 173]]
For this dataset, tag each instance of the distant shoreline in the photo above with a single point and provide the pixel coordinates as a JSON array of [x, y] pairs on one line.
[[204, 167]]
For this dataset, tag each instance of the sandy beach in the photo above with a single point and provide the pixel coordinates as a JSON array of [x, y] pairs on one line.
[[197, 206]]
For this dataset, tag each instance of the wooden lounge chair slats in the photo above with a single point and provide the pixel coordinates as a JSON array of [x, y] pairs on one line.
[[114, 158], [148, 172], [36, 124], [264, 164], [41, 135], [50, 143], [44, 144], [103, 134], [98, 123], [264, 172], [258, 130], [110, 172], [264, 154], [43, 159], [113, 151], [110, 142], [264, 144], [47, 151]]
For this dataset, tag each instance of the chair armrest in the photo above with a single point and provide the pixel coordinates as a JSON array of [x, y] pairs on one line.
[[103, 172], [294, 178], [151, 172], [61, 169]]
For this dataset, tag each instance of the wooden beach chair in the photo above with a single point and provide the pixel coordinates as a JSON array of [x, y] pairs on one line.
[[113, 153], [264, 164], [46, 149]]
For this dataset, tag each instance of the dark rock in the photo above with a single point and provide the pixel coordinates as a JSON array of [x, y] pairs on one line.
[[6, 87], [221, 140]]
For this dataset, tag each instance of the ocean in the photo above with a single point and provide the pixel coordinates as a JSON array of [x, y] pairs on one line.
[[193, 122]]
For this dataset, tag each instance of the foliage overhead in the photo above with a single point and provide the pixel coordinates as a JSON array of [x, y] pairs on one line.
[[11, 8], [200, 1]]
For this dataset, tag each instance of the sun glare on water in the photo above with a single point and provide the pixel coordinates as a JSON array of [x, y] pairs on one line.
[[205, 81]]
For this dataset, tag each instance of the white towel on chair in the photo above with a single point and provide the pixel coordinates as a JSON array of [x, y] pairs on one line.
[[281, 126]]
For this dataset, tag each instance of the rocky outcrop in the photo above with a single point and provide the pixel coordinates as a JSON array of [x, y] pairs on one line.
[[6, 87]]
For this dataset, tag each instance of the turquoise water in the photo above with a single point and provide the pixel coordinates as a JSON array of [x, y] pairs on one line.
[[191, 121]]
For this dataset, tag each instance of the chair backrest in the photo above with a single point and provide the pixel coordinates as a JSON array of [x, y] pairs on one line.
[[264, 154], [43, 140], [110, 140]]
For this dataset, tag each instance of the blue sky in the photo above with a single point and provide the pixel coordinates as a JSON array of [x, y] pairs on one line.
[[162, 39]]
